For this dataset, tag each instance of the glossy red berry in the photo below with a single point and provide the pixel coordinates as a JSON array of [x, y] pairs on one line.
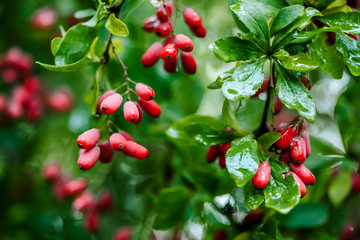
[[184, 43], [169, 52], [33, 84], [303, 173], [277, 105], [135, 150], [16, 59], [253, 218], [60, 100], [192, 18], [262, 88], [199, 31], [150, 107], [285, 156], [106, 152], [131, 112], [44, 18], [298, 150], [51, 171], [88, 157], [287, 137], [353, 36], [162, 14], [83, 201], [152, 55], [169, 7], [111, 104], [163, 29], [349, 232], [92, 220], [123, 234], [144, 91], [149, 23], [169, 39], [188, 62], [74, 187], [222, 161], [105, 95], [170, 65], [212, 153], [301, 185], [126, 136], [141, 115], [105, 202], [9, 75], [88, 139], [305, 136], [262, 175], [117, 141]]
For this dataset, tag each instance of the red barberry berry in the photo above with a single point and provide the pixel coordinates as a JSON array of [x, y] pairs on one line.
[[126, 136], [141, 115], [212, 153], [131, 112], [285, 156], [60, 100], [44, 19], [106, 152], [253, 218], [152, 55], [16, 59], [74, 187], [222, 161], [83, 201], [149, 23], [122, 234], [262, 175], [162, 14], [303, 173], [169, 52], [92, 220], [117, 141], [170, 65], [163, 29], [353, 36], [51, 171], [105, 202], [188, 62], [136, 150], [88, 139], [144, 91], [184, 43], [349, 232], [111, 104], [287, 137], [150, 107], [305, 136], [169, 7], [192, 18], [277, 105], [199, 31], [262, 88], [169, 39], [301, 185], [298, 150], [88, 157]]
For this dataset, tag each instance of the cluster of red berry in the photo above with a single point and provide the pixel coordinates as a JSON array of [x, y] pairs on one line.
[[27, 95], [84, 201], [294, 147], [163, 26], [218, 151]]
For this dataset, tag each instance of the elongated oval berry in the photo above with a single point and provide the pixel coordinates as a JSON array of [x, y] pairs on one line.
[[149, 23], [277, 105], [298, 150], [88, 139], [262, 175], [111, 104], [44, 19], [223, 148], [169, 39], [136, 150], [106, 152], [51, 171], [74, 187], [170, 65], [105, 95], [212, 153], [162, 14], [192, 18], [83, 201], [184, 43], [131, 112], [199, 31], [92, 220], [262, 88], [301, 185], [188, 62], [105, 202], [60, 100], [152, 55], [303, 173], [88, 157], [287, 137], [285, 156], [141, 115], [353, 36], [117, 141], [144, 91], [222, 161], [122, 234], [150, 107], [305, 136], [163, 29], [126, 136], [169, 52]]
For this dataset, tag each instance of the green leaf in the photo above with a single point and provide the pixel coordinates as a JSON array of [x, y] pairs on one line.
[[54, 45], [250, 113], [242, 81], [281, 194], [242, 159], [268, 7], [100, 14], [349, 22], [268, 230], [293, 94], [322, 4], [91, 97], [253, 20], [204, 130], [343, 8], [285, 17], [84, 13], [330, 62], [340, 187], [307, 215], [170, 207], [229, 116], [268, 139], [75, 45], [300, 62], [116, 26], [231, 49], [253, 196], [350, 49], [214, 85]]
